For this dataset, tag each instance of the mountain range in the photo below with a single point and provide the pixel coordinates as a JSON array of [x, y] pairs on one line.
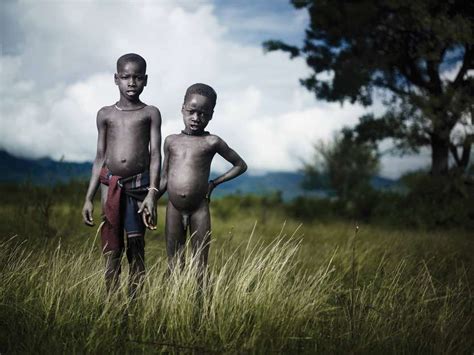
[[46, 171]]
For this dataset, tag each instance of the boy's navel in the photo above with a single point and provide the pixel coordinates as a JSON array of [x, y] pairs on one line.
[[123, 160], [182, 195]]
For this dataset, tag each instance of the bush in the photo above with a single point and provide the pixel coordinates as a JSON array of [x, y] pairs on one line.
[[312, 208], [430, 202], [439, 201]]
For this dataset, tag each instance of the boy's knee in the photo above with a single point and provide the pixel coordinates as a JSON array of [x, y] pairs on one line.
[[112, 261], [136, 244], [112, 269], [201, 242], [135, 248], [113, 256], [174, 247]]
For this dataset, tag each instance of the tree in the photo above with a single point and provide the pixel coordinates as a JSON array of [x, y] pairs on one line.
[[417, 54], [344, 165]]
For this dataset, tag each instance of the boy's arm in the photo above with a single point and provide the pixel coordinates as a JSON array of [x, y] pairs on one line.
[[164, 170], [99, 160], [239, 165], [148, 206]]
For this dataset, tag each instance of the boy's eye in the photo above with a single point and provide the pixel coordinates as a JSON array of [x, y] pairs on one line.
[[199, 113]]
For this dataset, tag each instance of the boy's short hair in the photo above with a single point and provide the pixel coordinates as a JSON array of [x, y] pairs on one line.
[[204, 90], [131, 57]]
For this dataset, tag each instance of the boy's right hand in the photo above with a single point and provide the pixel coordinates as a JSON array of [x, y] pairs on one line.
[[148, 210], [87, 211]]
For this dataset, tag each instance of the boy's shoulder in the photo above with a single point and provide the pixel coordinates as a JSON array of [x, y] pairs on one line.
[[213, 138], [106, 110], [171, 138], [152, 109], [104, 113]]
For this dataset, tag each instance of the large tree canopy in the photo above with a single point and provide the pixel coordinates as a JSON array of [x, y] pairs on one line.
[[416, 54]]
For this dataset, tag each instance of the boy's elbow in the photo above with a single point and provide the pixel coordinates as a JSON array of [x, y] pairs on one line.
[[243, 167]]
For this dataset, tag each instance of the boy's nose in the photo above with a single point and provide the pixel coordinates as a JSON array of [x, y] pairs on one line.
[[131, 82]]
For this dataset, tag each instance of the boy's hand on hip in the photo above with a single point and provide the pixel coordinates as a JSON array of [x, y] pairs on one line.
[[87, 212], [148, 211], [210, 188]]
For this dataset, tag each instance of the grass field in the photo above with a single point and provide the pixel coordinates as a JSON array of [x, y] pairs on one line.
[[275, 285]]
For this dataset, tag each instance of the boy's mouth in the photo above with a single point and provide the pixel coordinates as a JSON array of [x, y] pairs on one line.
[[194, 126]]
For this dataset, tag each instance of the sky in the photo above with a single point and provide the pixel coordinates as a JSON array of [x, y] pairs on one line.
[[58, 60]]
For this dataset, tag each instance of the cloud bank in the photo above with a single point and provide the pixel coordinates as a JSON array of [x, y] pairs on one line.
[[59, 58]]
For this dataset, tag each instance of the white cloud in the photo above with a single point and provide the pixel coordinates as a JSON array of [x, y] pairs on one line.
[[284, 140], [62, 73]]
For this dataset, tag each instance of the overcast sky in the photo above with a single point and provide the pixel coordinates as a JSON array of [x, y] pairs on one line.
[[58, 60]]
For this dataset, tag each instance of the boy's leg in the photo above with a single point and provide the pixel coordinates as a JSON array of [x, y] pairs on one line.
[[175, 235], [201, 237], [135, 250], [136, 262], [112, 270], [112, 258]]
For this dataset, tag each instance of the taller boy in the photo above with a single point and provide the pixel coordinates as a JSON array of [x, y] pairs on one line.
[[127, 165]]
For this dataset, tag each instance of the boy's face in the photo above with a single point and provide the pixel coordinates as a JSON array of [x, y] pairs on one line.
[[197, 112], [131, 80]]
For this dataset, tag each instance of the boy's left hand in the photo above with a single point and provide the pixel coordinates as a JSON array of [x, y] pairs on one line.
[[148, 211]]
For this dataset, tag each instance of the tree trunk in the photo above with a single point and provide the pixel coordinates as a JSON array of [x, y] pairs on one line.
[[466, 154], [439, 154], [463, 161]]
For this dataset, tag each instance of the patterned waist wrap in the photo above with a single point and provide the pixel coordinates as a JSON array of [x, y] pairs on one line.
[[121, 207]]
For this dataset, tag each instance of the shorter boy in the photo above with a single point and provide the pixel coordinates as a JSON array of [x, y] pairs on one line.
[[127, 167], [186, 168]]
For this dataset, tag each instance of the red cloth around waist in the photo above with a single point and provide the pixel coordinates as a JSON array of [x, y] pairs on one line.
[[111, 230]]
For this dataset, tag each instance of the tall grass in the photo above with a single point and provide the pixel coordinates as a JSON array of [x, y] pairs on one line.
[[259, 297]]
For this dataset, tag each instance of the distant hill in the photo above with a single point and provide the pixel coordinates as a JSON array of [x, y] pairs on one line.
[[40, 171], [47, 171], [289, 183]]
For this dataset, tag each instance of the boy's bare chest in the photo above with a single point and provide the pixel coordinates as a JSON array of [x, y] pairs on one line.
[[187, 149], [124, 122]]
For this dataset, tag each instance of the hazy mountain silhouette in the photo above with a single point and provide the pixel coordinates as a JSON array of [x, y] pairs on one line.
[[47, 171]]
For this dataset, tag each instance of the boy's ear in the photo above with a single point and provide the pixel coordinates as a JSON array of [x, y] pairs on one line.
[[146, 80], [116, 79]]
